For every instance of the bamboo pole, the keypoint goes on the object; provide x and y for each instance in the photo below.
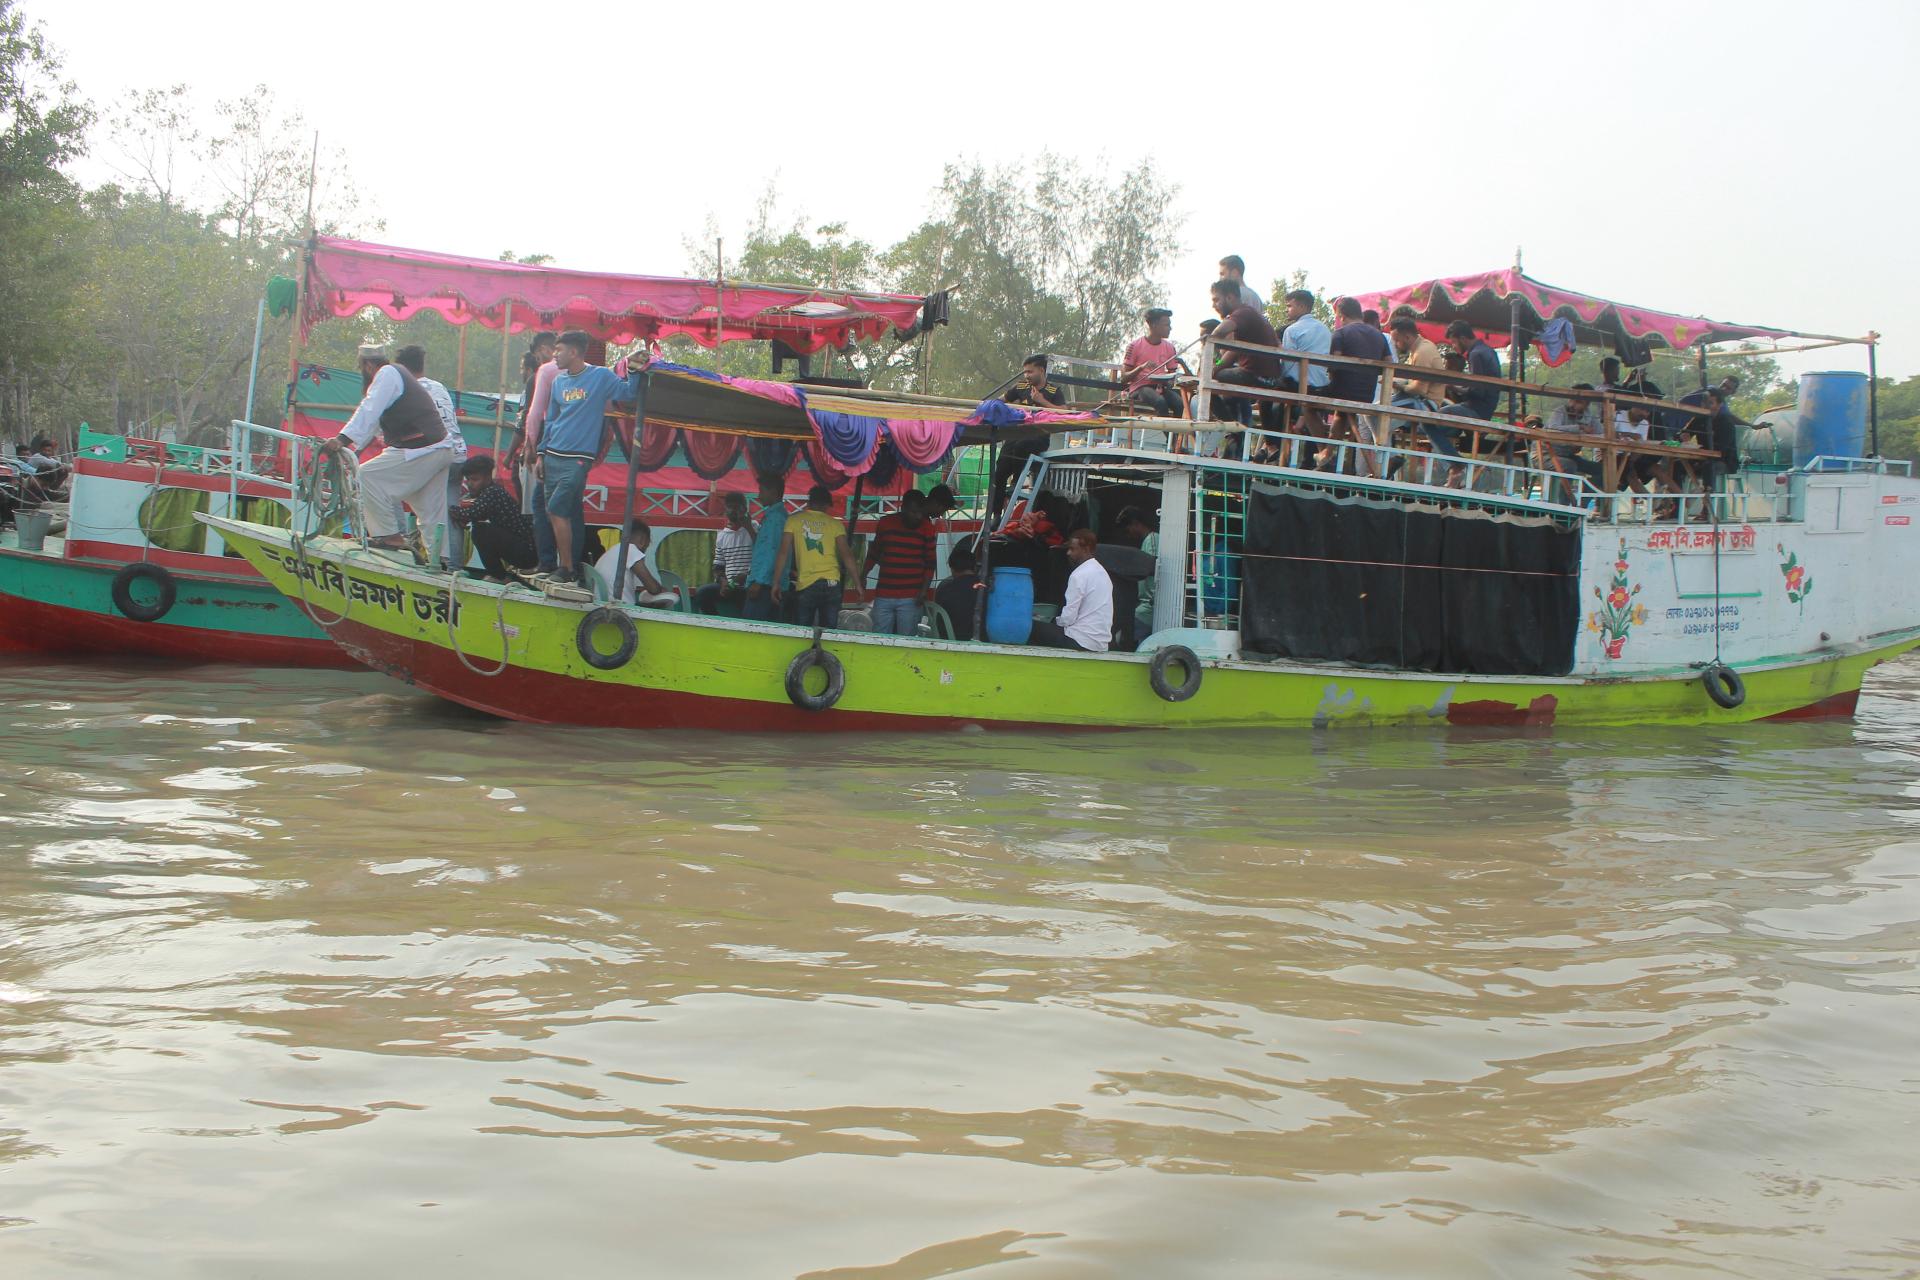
(296, 339)
(460, 365)
(500, 405)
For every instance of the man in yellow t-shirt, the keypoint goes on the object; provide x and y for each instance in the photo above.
(816, 545)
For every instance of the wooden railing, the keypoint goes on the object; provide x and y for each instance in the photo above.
(1614, 450)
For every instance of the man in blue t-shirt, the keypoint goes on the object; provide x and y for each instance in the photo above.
(760, 606)
(571, 441)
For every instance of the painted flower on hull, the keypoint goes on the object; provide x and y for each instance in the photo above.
(1799, 585)
(1618, 613)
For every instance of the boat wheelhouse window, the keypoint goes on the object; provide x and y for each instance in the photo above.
(166, 519)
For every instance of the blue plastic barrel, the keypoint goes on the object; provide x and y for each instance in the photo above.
(1010, 606)
(1832, 420)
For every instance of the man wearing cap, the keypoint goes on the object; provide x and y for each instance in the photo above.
(412, 468)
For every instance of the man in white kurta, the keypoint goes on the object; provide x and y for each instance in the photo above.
(412, 469)
(1086, 620)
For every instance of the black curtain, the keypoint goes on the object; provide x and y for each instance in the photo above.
(1423, 588)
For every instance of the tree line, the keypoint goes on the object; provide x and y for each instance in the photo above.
(131, 303)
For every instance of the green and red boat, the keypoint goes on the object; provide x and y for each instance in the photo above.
(1282, 594)
(135, 573)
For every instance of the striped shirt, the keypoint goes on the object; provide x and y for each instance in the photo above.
(733, 552)
(905, 556)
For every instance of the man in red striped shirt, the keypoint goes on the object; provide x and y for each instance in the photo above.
(903, 547)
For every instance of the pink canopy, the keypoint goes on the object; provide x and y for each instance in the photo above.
(345, 277)
(1486, 302)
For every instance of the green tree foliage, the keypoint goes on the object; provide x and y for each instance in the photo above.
(144, 291)
(43, 125)
(1900, 418)
(1043, 256)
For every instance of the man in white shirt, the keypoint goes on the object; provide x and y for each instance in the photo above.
(414, 360)
(413, 466)
(1086, 621)
(640, 587)
(1234, 268)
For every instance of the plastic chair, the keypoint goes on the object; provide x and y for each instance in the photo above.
(672, 581)
(937, 621)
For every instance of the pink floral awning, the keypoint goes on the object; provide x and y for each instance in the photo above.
(1486, 302)
(346, 277)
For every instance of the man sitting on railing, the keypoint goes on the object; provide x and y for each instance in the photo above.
(1146, 369)
(1579, 415)
(1471, 400)
(1242, 323)
(1417, 352)
(1355, 337)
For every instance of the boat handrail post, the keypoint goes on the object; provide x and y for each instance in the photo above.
(1203, 400)
(1170, 566)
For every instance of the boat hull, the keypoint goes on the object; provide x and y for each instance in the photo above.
(517, 656)
(53, 605)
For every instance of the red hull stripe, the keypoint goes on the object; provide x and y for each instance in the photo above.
(1837, 707)
(173, 478)
(120, 553)
(32, 626)
(541, 698)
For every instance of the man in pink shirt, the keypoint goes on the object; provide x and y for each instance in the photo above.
(1145, 370)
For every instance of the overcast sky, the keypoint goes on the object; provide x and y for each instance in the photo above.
(1748, 161)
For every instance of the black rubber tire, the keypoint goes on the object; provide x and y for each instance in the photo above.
(805, 661)
(123, 592)
(1175, 655)
(593, 621)
(1724, 685)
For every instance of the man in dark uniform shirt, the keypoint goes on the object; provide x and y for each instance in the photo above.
(1033, 389)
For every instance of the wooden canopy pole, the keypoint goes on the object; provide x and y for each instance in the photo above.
(500, 405)
(633, 475)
